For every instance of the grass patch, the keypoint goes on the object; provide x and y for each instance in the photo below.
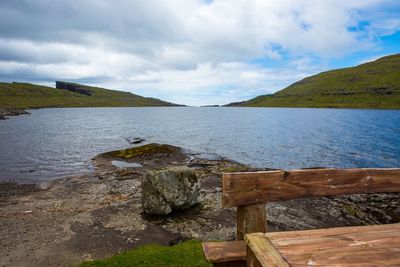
(188, 253)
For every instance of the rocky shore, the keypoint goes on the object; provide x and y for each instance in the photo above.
(5, 113)
(66, 221)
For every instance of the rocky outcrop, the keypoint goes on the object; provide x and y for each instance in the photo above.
(324, 212)
(170, 189)
(99, 214)
(76, 88)
(5, 113)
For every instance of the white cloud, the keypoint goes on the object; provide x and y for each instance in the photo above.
(187, 51)
(211, 83)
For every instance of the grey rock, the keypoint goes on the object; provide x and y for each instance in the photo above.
(170, 189)
(5, 113)
(135, 140)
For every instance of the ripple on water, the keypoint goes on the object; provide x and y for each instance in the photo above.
(58, 142)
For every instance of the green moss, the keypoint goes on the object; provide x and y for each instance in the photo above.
(146, 150)
(235, 168)
(188, 253)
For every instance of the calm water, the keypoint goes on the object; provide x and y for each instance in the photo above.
(58, 142)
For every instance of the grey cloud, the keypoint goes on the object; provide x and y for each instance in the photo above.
(91, 79)
(24, 74)
(28, 53)
(200, 46)
(30, 75)
(69, 20)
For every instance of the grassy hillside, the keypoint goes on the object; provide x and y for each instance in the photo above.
(25, 95)
(370, 85)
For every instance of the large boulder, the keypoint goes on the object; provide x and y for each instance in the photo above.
(170, 189)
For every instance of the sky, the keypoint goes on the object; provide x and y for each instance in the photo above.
(193, 52)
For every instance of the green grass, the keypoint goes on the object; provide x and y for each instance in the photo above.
(149, 149)
(25, 95)
(188, 253)
(370, 85)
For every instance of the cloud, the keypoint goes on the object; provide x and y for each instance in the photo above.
(188, 51)
(214, 83)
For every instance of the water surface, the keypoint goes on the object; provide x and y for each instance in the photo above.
(53, 143)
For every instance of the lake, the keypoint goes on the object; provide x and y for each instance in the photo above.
(59, 142)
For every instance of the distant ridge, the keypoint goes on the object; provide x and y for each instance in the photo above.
(371, 85)
(66, 94)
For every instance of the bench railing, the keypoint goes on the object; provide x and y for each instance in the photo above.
(250, 190)
(244, 188)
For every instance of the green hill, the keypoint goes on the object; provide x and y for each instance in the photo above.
(370, 85)
(25, 95)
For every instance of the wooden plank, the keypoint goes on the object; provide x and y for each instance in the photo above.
(361, 257)
(219, 252)
(348, 230)
(258, 187)
(264, 251)
(377, 245)
(251, 219)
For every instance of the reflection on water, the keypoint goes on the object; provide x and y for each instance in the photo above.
(57, 142)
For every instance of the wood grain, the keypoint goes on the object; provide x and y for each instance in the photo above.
(264, 251)
(240, 189)
(251, 260)
(251, 219)
(377, 245)
(218, 252)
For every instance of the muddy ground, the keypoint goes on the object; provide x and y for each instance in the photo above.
(93, 216)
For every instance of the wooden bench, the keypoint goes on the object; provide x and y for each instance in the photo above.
(249, 191)
(372, 245)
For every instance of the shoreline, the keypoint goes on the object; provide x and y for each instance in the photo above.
(5, 113)
(92, 216)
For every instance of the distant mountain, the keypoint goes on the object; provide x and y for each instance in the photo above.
(370, 85)
(25, 95)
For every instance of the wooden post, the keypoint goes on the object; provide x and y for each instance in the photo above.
(251, 219)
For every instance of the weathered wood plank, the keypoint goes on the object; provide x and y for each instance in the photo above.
(260, 248)
(251, 219)
(377, 245)
(360, 257)
(259, 187)
(348, 230)
(219, 252)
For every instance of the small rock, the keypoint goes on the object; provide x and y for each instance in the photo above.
(135, 140)
(170, 189)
